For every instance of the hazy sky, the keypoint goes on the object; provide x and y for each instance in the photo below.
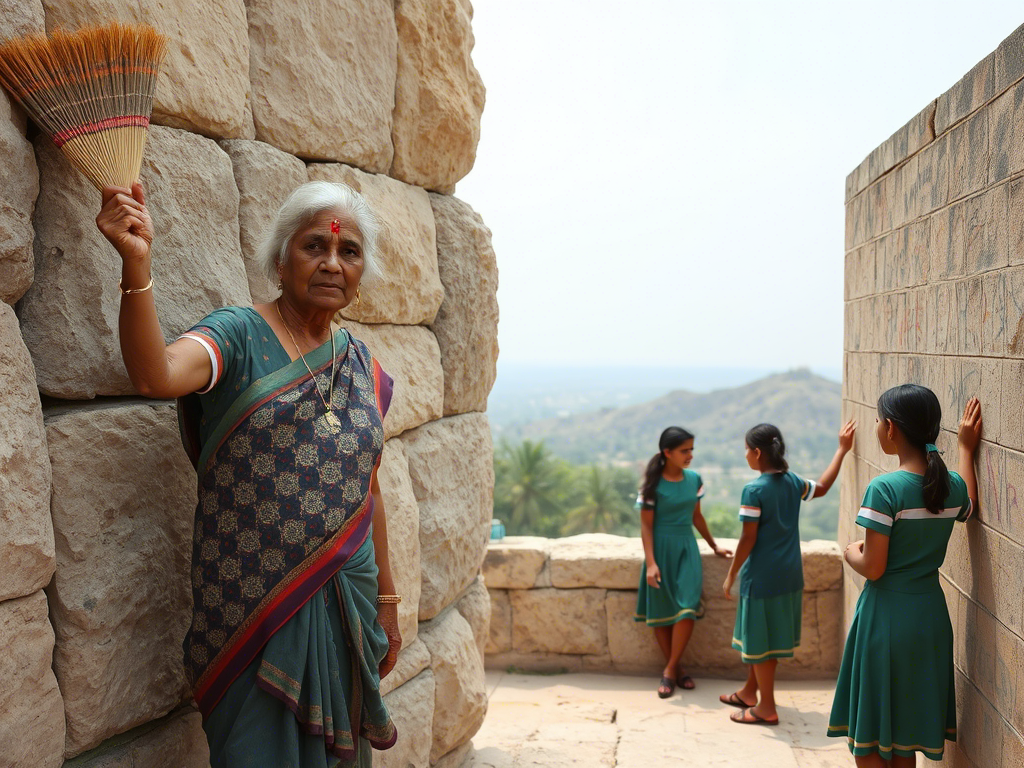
(664, 179)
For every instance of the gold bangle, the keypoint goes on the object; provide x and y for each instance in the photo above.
(389, 599)
(126, 291)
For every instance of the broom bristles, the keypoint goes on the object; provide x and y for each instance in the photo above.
(90, 91)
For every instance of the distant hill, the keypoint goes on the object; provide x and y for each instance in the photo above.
(804, 406)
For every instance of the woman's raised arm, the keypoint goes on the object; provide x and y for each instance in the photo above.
(155, 368)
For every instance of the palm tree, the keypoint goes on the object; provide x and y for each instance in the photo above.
(603, 511)
(527, 479)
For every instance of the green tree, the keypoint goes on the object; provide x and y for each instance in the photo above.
(527, 479)
(603, 509)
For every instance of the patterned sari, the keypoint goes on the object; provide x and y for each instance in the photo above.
(285, 513)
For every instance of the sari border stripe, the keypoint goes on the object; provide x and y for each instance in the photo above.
(384, 388)
(279, 606)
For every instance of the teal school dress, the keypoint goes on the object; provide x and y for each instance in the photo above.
(676, 553)
(895, 692)
(772, 579)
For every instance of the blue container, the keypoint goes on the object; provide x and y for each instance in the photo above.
(497, 530)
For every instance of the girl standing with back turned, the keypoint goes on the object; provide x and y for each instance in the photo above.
(669, 595)
(772, 581)
(895, 693)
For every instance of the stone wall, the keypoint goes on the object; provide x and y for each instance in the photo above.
(569, 604)
(96, 495)
(935, 296)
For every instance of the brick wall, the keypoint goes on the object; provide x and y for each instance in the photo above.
(935, 296)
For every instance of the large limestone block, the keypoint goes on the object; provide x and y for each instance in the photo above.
(409, 354)
(17, 197)
(475, 607)
(516, 562)
(204, 80)
(410, 291)
(178, 740)
(69, 315)
(823, 565)
(631, 643)
(412, 660)
(412, 710)
(460, 757)
(124, 497)
(26, 530)
(31, 710)
(21, 17)
(439, 95)
(466, 325)
(265, 176)
(403, 516)
(559, 621)
(323, 78)
(460, 696)
(500, 632)
(452, 471)
(596, 560)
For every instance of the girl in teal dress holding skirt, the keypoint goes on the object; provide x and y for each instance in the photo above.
(772, 579)
(671, 580)
(895, 694)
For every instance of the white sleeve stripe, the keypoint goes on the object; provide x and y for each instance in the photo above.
(213, 361)
(876, 517)
(700, 491)
(750, 512)
(811, 488)
(970, 509)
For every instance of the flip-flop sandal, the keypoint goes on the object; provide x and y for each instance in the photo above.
(748, 717)
(686, 683)
(666, 682)
(733, 700)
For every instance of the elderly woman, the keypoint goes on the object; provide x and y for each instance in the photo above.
(295, 611)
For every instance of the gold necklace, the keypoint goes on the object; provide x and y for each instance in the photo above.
(334, 423)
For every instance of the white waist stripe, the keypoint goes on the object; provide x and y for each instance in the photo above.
(874, 516)
(213, 360)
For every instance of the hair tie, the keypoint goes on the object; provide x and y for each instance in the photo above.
(929, 447)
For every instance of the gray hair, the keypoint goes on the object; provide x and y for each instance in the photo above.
(300, 208)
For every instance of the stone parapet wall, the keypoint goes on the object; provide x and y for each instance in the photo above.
(935, 296)
(96, 495)
(569, 604)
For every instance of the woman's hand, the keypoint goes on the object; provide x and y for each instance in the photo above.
(970, 426)
(722, 552)
(654, 576)
(124, 220)
(730, 577)
(846, 435)
(387, 617)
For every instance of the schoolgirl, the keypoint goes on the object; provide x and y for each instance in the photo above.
(669, 595)
(895, 693)
(772, 579)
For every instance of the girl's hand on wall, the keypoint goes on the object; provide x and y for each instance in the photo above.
(846, 435)
(723, 552)
(727, 586)
(654, 576)
(970, 426)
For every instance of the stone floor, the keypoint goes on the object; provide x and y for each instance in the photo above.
(594, 720)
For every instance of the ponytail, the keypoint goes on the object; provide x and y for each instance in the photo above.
(768, 439)
(915, 410)
(671, 438)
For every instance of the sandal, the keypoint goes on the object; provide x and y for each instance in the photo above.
(749, 717)
(666, 687)
(685, 682)
(734, 700)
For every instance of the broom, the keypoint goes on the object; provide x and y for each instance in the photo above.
(90, 91)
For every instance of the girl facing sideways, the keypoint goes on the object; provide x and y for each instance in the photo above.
(772, 580)
(669, 596)
(895, 694)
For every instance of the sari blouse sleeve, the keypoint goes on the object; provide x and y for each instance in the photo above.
(223, 337)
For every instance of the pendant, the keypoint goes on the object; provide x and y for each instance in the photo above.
(333, 421)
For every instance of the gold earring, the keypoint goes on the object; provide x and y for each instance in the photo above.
(357, 297)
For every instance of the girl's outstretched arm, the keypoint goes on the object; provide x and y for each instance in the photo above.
(832, 472)
(869, 556)
(702, 527)
(746, 543)
(968, 438)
